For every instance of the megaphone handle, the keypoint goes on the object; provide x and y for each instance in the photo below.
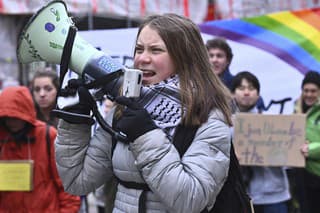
(66, 54)
(120, 136)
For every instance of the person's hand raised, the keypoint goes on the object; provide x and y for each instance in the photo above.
(305, 149)
(135, 120)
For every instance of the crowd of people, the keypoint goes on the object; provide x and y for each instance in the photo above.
(187, 85)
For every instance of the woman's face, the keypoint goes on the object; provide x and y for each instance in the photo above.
(44, 92)
(152, 57)
(310, 94)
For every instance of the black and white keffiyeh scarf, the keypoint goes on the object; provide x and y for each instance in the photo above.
(162, 101)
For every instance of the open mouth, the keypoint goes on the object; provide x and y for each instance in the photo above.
(148, 74)
(310, 101)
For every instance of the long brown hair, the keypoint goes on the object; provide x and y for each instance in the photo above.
(200, 89)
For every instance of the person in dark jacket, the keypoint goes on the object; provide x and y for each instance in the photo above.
(24, 138)
(220, 56)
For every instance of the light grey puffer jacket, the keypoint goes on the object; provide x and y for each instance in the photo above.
(187, 184)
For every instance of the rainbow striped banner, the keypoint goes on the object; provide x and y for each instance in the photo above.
(292, 36)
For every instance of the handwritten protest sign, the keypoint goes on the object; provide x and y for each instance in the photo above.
(269, 140)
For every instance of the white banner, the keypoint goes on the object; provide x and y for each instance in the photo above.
(278, 79)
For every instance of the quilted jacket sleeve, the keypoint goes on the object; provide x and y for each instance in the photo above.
(67, 203)
(82, 169)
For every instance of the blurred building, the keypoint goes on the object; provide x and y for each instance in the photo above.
(228, 9)
(87, 15)
(101, 14)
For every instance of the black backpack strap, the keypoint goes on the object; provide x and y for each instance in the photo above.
(48, 145)
(134, 185)
(114, 140)
(48, 140)
(66, 54)
(183, 137)
(245, 200)
(233, 191)
(131, 185)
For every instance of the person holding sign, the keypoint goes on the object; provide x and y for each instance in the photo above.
(267, 186)
(29, 181)
(308, 179)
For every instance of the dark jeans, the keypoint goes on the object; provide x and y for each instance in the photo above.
(306, 189)
(101, 209)
(298, 188)
(312, 192)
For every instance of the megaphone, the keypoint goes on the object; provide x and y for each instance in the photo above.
(44, 37)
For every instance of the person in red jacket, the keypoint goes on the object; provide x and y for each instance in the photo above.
(23, 137)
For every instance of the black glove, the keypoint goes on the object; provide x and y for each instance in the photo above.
(80, 112)
(85, 102)
(135, 120)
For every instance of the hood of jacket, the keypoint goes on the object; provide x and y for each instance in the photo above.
(298, 106)
(17, 102)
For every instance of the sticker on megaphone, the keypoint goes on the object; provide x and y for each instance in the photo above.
(132, 80)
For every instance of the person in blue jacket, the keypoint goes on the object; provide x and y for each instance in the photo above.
(220, 56)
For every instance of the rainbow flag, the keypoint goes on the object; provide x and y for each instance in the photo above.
(292, 36)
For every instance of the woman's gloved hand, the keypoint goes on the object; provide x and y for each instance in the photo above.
(135, 120)
(75, 104)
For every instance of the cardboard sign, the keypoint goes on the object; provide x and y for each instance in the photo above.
(16, 175)
(269, 140)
